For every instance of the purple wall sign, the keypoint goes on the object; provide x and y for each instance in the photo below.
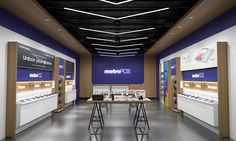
(127, 70)
(25, 74)
(209, 74)
(61, 66)
(173, 67)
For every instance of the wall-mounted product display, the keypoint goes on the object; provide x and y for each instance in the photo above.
(70, 92)
(176, 77)
(205, 86)
(29, 87)
(162, 87)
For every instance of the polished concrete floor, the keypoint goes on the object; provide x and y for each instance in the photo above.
(72, 125)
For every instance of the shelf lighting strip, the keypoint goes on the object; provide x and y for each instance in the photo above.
(113, 33)
(113, 18)
(103, 45)
(117, 55)
(114, 50)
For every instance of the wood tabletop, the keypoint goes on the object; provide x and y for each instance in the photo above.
(145, 100)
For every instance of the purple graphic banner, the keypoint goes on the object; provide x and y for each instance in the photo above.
(24, 74)
(209, 74)
(127, 70)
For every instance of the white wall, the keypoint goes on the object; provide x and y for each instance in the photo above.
(228, 35)
(8, 35)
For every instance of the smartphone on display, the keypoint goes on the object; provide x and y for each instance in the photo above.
(204, 55)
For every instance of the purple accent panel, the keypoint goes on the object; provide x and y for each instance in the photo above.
(25, 74)
(61, 66)
(173, 67)
(10, 21)
(224, 21)
(201, 75)
(127, 70)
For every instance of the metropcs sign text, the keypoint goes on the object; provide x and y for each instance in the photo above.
(198, 75)
(117, 71)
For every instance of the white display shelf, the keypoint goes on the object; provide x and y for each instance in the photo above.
(32, 110)
(70, 96)
(202, 109)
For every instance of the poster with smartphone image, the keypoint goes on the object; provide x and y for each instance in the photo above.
(199, 58)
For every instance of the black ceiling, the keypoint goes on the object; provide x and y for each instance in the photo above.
(161, 21)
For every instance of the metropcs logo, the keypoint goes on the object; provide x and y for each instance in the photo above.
(35, 75)
(119, 71)
(198, 75)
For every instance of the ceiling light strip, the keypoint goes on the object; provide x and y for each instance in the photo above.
(111, 53)
(100, 39)
(134, 31)
(99, 31)
(122, 2)
(144, 13)
(134, 39)
(103, 45)
(123, 53)
(116, 3)
(104, 55)
(113, 50)
(90, 13)
(113, 33)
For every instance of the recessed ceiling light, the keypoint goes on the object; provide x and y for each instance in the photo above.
(116, 3)
(103, 45)
(113, 33)
(47, 20)
(73, 41)
(128, 52)
(101, 39)
(112, 53)
(133, 39)
(59, 29)
(117, 55)
(120, 50)
(171, 33)
(114, 18)
(179, 26)
(191, 17)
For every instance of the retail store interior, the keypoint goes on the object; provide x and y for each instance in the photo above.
(117, 70)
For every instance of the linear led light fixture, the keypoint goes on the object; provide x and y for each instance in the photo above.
(117, 55)
(113, 33)
(143, 13)
(111, 53)
(99, 31)
(133, 39)
(116, 3)
(123, 53)
(113, 18)
(103, 45)
(114, 50)
(100, 39)
(90, 13)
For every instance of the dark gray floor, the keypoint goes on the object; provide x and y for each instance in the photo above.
(71, 125)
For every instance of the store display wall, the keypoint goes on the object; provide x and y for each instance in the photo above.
(221, 29)
(14, 29)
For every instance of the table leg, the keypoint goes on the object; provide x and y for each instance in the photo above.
(136, 112)
(92, 116)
